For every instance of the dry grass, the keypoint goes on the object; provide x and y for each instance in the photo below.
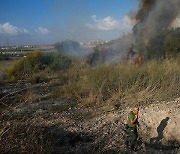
(5, 64)
(153, 80)
(106, 85)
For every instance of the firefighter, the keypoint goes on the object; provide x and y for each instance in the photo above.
(132, 124)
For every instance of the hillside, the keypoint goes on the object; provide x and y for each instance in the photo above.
(44, 124)
(84, 109)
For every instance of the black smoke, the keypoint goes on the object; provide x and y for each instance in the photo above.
(153, 17)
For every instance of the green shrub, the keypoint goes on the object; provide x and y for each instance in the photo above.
(57, 61)
(36, 62)
(26, 66)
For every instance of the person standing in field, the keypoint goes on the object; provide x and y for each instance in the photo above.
(133, 123)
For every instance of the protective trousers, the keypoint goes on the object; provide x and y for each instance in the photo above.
(132, 136)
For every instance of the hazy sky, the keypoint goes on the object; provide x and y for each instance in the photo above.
(49, 21)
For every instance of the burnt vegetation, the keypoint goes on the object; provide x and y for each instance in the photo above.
(39, 89)
(55, 103)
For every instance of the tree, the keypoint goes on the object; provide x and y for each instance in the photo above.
(172, 43)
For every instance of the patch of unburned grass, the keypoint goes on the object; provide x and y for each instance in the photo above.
(5, 64)
(152, 80)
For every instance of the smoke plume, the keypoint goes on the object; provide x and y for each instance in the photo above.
(152, 17)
